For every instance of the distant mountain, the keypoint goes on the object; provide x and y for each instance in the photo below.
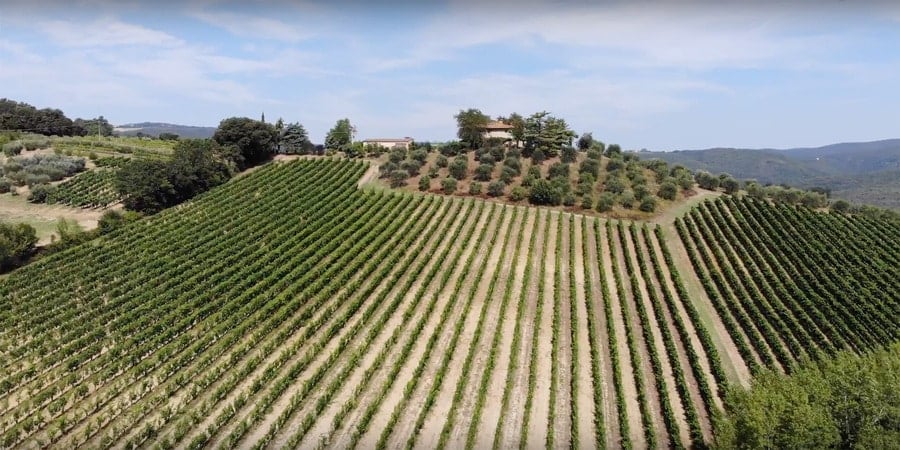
(862, 172)
(155, 128)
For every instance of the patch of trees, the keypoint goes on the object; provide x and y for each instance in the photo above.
(846, 402)
(245, 142)
(37, 171)
(16, 243)
(24, 117)
(197, 165)
(98, 126)
(340, 137)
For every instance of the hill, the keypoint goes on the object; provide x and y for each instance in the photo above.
(288, 308)
(859, 172)
(155, 128)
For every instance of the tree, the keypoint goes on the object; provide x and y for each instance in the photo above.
(459, 168)
(518, 128)
(475, 189)
(626, 199)
(496, 188)
(470, 127)
(538, 157)
(398, 178)
(95, 126)
(648, 204)
(250, 141)
(544, 192)
(448, 185)
(113, 219)
(730, 185)
(424, 183)
(585, 142)
(16, 242)
(707, 180)
(483, 172)
(558, 170)
(168, 137)
(587, 202)
(294, 140)
(145, 186)
(613, 149)
(517, 194)
(667, 190)
(546, 133)
(841, 206)
(568, 154)
(340, 136)
(606, 202)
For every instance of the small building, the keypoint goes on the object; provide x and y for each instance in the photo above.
(390, 143)
(497, 130)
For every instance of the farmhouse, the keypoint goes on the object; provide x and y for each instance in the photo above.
(498, 130)
(389, 143)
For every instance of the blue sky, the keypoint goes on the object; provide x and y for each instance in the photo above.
(656, 75)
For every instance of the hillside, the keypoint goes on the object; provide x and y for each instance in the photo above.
(155, 128)
(862, 171)
(288, 308)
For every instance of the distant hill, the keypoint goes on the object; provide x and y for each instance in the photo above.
(862, 172)
(155, 128)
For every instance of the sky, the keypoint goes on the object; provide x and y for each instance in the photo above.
(656, 75)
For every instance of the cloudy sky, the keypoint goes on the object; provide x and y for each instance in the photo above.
(656, 75)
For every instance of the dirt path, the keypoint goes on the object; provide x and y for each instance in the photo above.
(466, 410)
(405, 426)
(734, 365)
(44, 217)
(600, 266)
(481, 303)
(370, 175)
(693, 341)
(540, 410)
(582, 372)
(635, 424)
(646, 367)
(394, 395)
(322, 427)
(668, 217)
(511, 433)
(563, 425)
(667, 364)
(491, 413)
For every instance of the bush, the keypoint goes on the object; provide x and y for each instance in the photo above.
(424, 183)
(614, 184)
(475, 188)
(419, 155)
(396, 155)
(411, 166)
(514, 164)
(398, 178)
(496, 188)
(5, 185)
(13, 148)
(112, 219)
(36, 144)
(841, 206)
(41, 193)
(590, 167)
(648, 204)
(518, 194)
(730, 185)
(483, 172)
(626, 199)
(587, 202)
(386, 169)
(441, 161)
(558, 170)
(448, 185)
(707, 181)
(568, 200)
(667, 190)
(538, 157)
(488, 159)
(606, 202)
(614, 164)
(544, 193)
(459, 168)
(568, 154)
(641, 192)
(34, 179)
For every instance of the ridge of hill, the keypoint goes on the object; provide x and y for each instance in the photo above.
(861, 172)
(155, 128)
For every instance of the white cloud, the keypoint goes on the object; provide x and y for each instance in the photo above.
(105, 32)
(255, 26)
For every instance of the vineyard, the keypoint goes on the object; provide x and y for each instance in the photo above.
(94, 188)
(289, 309)
(791, 284)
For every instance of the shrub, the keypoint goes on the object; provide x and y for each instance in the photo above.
(606, 202)
(518, 194)
(496, 188)
(41, 193)
(398, 178)
(13, 148)
(558, 170)
(448, 185)
(544, 193)
(5, 185)
(386, 169)
(411, 166)
(641, 192)
(587, 202)
(590, 167)
(614, 164)
(538, 157)
(484, 172)
(488, 159)
(441, 161)
(475, 188)
(626, 199)
(507, 175)
(419, 155)
(730, 185)
(424, 183)
(568, 154)
(35, 179)
(667, 190)
(568, 200)
(648, 204)
(514, 164)
(615, 185)
(396, 155)
(459, 168)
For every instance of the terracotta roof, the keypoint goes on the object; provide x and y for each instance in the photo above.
(497, 125)
(389, 140)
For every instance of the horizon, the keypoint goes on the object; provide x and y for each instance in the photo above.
(691, 75)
